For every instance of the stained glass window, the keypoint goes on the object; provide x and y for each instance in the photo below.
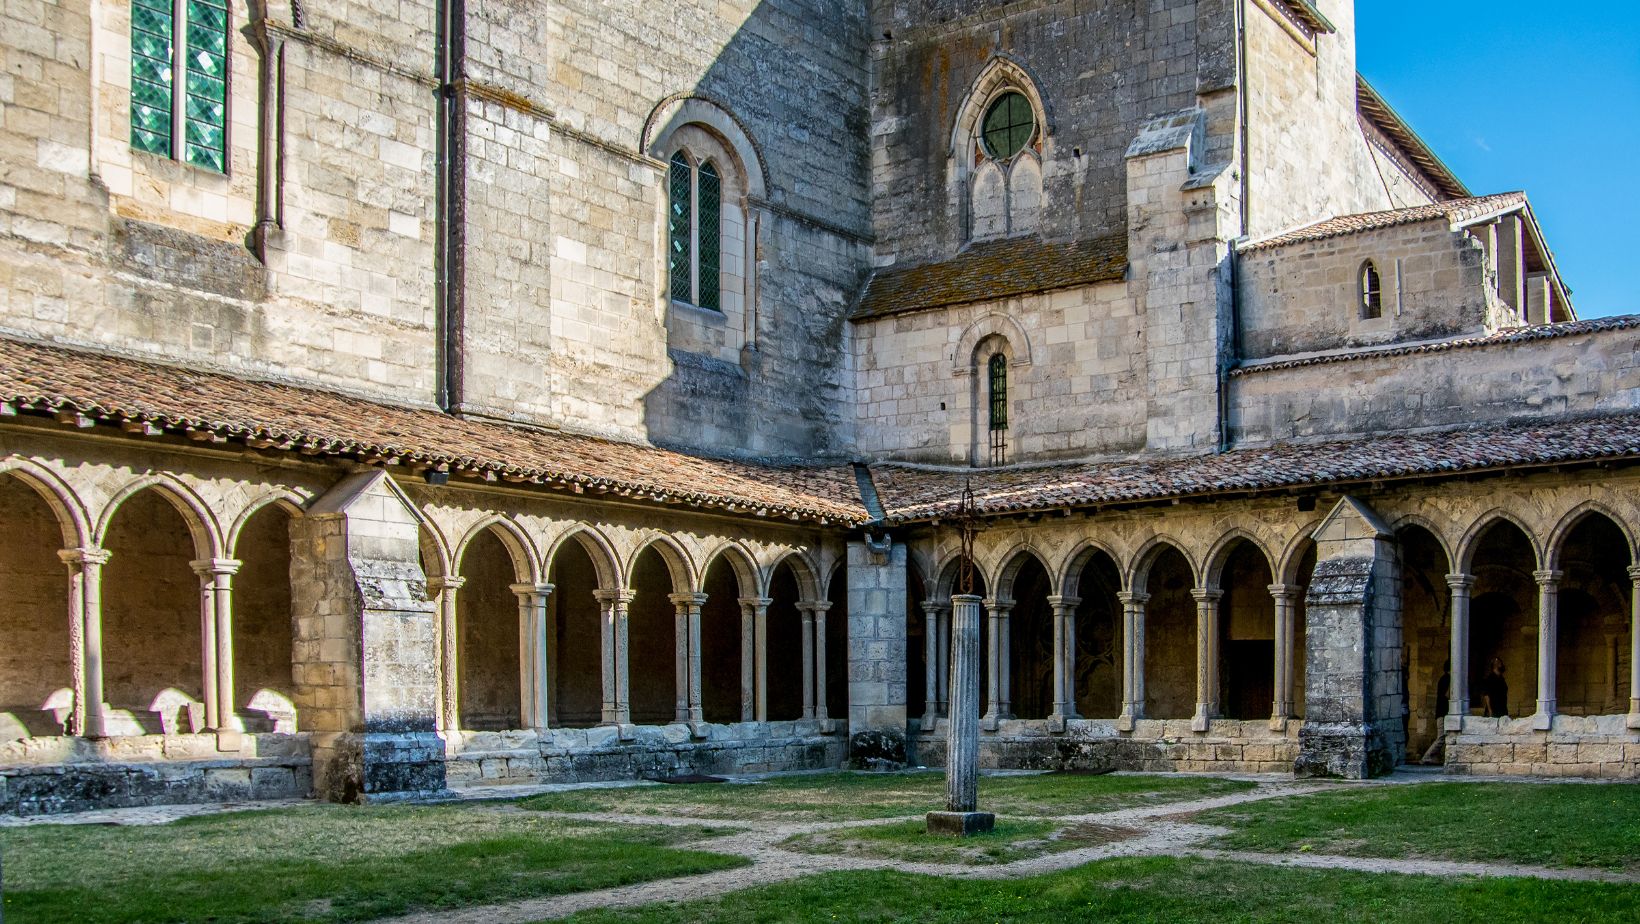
(179, 80)
(710, 195)
(1009, 126)
(680, 232)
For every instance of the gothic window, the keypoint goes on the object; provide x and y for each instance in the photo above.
(694, 232)
(1372, 295)
(1009, 126)
(997, 370)
(179, 80)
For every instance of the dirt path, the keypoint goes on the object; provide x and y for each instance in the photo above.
(1164, 830)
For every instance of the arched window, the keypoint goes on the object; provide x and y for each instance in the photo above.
(1372, 292)
(1000, 144)
(179, 74)
(1009, 125)
(694, 232)
(998, 416)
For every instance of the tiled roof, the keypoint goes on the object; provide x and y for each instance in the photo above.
(145, 398)
(1512, 335)
(910, 493)
(1454, 210)
(1371, 106)
(1305, 12)
(994, 270)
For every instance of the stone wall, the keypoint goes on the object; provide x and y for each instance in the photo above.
(1154, 746)
(1381, 392)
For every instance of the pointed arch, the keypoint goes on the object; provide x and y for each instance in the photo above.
(513, 538)
(1008, 565)
(808, 575)
(1464, 559)
(1139, 570)
(597, 548)
(1429, 526)
(71, 514)
(290, 501)
(1003, 73)
(679, 566)
(1573, 518)
(746, 572)
(1071, 575)
(1220, 553)
(680, 109)
(201, 522)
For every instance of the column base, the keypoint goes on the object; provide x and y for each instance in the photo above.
(1201, 721)
(1278, 723)
(1126, 722)
(989, 722)
(1059, 722)
(1342, 750)
(378, 766)
(698, 729)
(960, 824)
(1453, 722)
(929, 723)
(1543, 720)
(1634, 720)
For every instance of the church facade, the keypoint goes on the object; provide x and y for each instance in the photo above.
(401, 397)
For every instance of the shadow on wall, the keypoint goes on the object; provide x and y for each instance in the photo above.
(766, 218)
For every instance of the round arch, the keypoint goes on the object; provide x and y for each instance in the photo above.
(683, 109)
(964, 357)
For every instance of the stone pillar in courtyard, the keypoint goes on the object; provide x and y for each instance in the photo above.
(876, 651)
(365, 648)
(961, 815)
(1352, 714)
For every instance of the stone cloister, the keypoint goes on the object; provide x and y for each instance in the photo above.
(1181, 640)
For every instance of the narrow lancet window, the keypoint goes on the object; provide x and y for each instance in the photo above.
(998, 369)
(179, 80)
(680, 229)
(1372, 292)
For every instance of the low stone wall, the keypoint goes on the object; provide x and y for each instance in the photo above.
(43, 776)
(1154, 745)
(634, 752)
(1600, 747)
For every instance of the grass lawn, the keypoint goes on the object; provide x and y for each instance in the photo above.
(1156, 889)
(1541, 824)
(841, 796)
(1012, 839)
(327, 863)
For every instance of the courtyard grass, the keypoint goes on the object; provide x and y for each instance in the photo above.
(1539, 824)
(844, 796)
(1012, 839)
(1164, 890)
(328, 863)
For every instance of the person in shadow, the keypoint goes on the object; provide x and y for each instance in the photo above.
(1495, 691)
(1436, 752)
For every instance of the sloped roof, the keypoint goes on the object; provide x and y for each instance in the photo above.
(1456, 211)
(993, 270)
(912, 493)
(84, 388)
(1372, 107)
(1508, 336)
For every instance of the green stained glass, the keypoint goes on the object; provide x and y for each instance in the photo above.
(152, 91)
(206, 112)
(679, 213)
(710, 196)
(1009, 126)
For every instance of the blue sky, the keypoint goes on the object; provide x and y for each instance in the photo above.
(1540, 96)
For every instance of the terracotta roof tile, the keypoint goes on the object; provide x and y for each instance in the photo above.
(1453, 210)
(994, 270)
(1512, 335)
(267, 415)
(911, 493)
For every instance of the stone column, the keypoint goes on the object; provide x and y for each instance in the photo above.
(996, 673)
(449, 638)
(1548, 646)
(962, 731)
(1286, 601)
(686, 631)
(820, 609)
(1133, 659)
(532, 654)
(1457, 704)
(931, 664)
(85, 638)
(943, 684)
(1207, 656)
(806, 612)
(756, 611)
(1634, 649)
(617, 700)
(748, 662)
(216, 608)
(207, 639)
(1064, 659)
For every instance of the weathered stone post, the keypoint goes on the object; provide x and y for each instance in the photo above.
(1634, 649)
(962, 730)
(1207, 656)
(1458, 692)
(1548, 646)
(1286, 601)
(1064, 660)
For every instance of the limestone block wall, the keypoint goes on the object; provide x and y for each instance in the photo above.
(1306, 297)
(1153, 747)
(1102, 70)
(1308, 157)
(1371, 392)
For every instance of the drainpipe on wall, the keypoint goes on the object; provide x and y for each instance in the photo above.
(450, 269)
(1233, 344)
(270, 162)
